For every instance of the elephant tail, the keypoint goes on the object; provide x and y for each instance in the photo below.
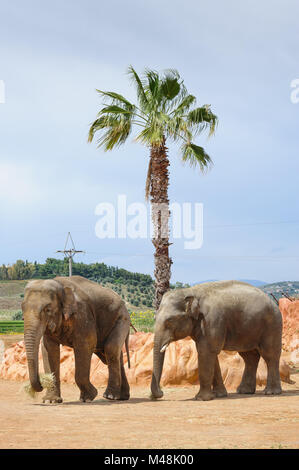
(127, 350)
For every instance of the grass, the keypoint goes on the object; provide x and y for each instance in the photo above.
(143, 321)
(9, 327)
(12, 288)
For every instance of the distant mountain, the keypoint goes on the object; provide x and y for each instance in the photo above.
(290, 288)
(254, 282)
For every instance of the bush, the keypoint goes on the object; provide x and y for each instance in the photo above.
(17, 316)
(143, 321)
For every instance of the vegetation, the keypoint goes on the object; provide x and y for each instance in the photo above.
(135, 288)
(56, 267)
(143, 321)
(164, 111)
(290, 288)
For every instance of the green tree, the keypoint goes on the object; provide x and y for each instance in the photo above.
(164, 111)
(3, 272)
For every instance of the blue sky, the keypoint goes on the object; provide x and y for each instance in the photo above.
(240, 57)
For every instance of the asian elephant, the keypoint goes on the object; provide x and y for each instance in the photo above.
(221, 315)
(82, 314)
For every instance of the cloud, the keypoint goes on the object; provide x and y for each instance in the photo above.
(17, 185)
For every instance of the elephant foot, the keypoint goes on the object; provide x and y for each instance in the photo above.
(246, 389)
(111, 394)
(52, 398)
(124, 395)
(273, 390)
(86, 396)
(157, 394)
(220, 392)
(205, 395)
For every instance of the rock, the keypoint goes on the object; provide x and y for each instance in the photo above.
(2, 349)
(290, 336)
(180, 365)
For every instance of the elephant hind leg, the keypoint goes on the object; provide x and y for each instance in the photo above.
(248, 382)
(83, 353)
(125, 388)
(270, 350)
(218, 385)
(273, 386)
(118, 387)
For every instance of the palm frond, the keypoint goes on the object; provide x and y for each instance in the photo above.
(113, 109)
(114, 130)
(170, 86)
(97, 125)
(195, 155)
(152, 89)
(184, 105)
(139, 84)
(116, 99)
(202, 118)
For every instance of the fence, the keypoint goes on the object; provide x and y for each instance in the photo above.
(11, 327)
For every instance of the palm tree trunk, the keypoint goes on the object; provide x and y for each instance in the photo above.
(159, 181)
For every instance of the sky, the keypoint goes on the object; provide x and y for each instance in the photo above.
(239, 57)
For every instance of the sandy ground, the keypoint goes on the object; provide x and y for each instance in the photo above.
(175, 422)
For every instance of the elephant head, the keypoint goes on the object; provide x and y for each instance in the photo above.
(177, 318)
(46, 303)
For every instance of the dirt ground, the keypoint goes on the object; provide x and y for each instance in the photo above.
(175, 422)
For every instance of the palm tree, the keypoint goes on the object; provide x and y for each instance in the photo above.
(164, 110)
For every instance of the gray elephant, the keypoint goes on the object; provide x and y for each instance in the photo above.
(222, 315)
(79, 313)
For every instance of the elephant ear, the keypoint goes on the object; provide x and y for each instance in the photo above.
(69, 303)
(192, 307)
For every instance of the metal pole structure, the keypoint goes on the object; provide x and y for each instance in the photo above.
(70, 253)
(70, 266)
(274, 298)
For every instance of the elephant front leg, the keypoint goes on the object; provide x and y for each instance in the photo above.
(206, 368)
(83, 355)
(51, 360)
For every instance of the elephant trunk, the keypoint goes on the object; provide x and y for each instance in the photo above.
(157, 368)
(32, 337)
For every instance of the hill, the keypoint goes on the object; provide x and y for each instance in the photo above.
(290, 288)
(136, 289)
(11, 296)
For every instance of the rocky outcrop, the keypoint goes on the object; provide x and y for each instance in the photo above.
(290, 338)
(180, 366)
